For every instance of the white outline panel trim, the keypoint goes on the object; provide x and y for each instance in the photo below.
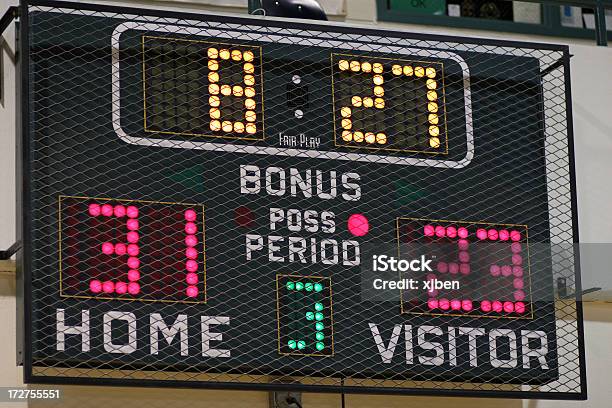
(276, 151)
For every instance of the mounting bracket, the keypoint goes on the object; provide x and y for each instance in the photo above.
(11, 14)
(12, 250)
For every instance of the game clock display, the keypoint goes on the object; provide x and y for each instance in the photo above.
(204, 197)
(231, 95)
(378, 103)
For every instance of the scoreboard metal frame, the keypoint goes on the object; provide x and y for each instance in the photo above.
(24, 157)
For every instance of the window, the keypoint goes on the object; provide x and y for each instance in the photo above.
(495, 15)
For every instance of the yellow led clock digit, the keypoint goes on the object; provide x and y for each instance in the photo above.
(245, 91)
(388, 104)
(200, 88)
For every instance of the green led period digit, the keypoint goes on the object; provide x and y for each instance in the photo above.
(316, 315)
(304, 314)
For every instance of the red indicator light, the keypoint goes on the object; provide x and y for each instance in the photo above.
(191, 265)
(191, 241)
(517, 271)
(358, 225)
(132, 237)
(132, 224)
(506, 270)
(243, 216)
(190, 228)
(133, 250)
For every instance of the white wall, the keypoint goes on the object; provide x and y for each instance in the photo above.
(592, 91)
(7, 135)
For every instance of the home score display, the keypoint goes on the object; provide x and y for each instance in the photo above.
(206, 199)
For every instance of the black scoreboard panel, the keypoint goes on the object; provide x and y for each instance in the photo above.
(203, 196)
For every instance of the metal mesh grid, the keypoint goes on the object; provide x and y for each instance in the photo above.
(91, 148)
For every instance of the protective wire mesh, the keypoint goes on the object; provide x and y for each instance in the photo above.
(204, 192)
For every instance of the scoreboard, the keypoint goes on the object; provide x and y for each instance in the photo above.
(210, 195)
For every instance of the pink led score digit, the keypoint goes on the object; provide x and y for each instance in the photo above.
(462, 267)
(515, 269)
(191, 253)
(130, 248)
